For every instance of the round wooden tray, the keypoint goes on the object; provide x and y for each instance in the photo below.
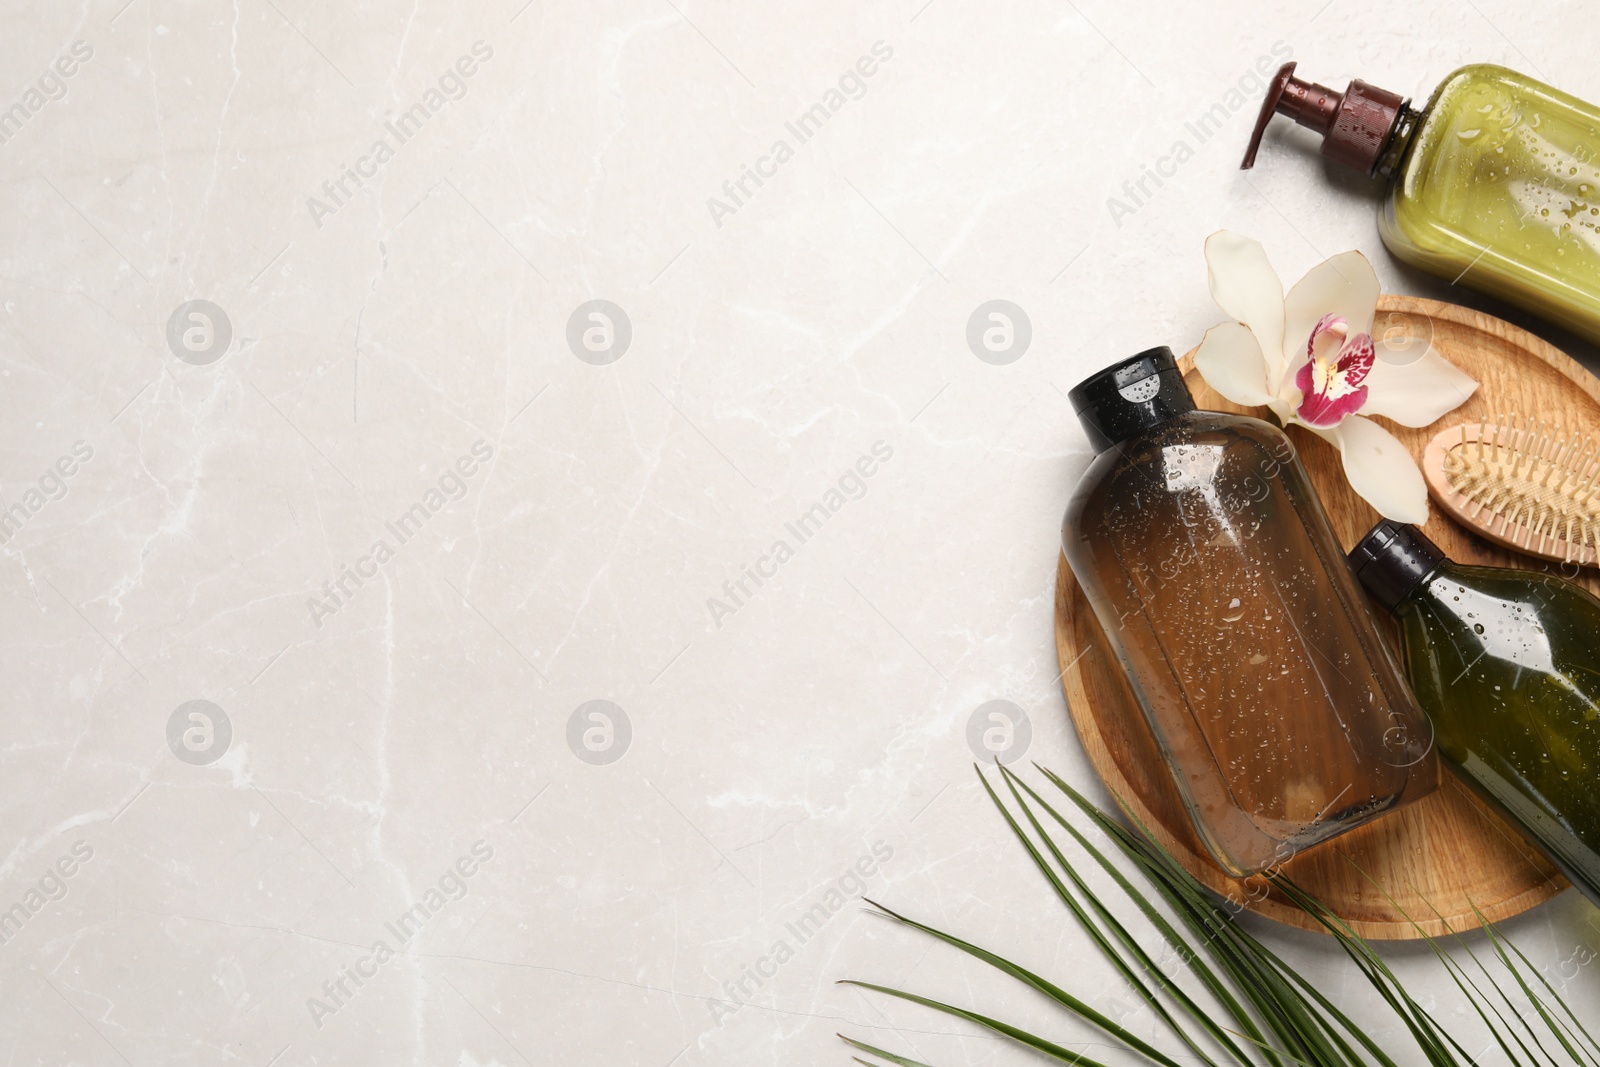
(1442, 855)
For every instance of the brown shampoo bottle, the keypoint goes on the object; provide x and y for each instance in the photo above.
(1224, 594)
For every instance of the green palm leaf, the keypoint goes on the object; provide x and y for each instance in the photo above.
(1266, 1015)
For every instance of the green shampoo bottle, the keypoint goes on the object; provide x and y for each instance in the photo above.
(1505, 663)
(1494, 183)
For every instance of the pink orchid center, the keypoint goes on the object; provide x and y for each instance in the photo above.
(1330, 380)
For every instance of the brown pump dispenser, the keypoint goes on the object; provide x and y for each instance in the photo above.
(1355, 125)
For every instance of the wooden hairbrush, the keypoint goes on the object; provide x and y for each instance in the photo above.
(1523, 483)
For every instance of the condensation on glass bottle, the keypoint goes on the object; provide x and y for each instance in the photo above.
(1224, 595)
(1494, 183)
(1505, 663)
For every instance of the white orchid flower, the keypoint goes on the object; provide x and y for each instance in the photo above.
(1310, 357)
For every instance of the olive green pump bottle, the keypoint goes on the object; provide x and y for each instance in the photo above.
(1495, 182)
(1505, 663)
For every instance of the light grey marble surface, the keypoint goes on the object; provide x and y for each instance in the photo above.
(396, 508)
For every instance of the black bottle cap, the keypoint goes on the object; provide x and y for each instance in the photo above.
(1130, 397)
(1392, 560)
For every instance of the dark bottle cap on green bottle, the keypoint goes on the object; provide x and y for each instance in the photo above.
(1130, 397)
(1355, 125)
(1392, 560)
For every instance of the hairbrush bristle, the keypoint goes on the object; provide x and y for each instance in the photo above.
(1528, 484)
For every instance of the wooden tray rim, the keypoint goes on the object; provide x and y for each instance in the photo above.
(1202, 866)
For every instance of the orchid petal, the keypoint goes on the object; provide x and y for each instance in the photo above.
(1332, 388)
(1418, 392)
(1325, 409)
(1229, 359)
(1356, 358)
(1331, 326)
(1402, 349)
(1381, 470)
(1245, 286)
(1345, 286)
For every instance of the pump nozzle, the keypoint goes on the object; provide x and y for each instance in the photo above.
(1355, 124)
